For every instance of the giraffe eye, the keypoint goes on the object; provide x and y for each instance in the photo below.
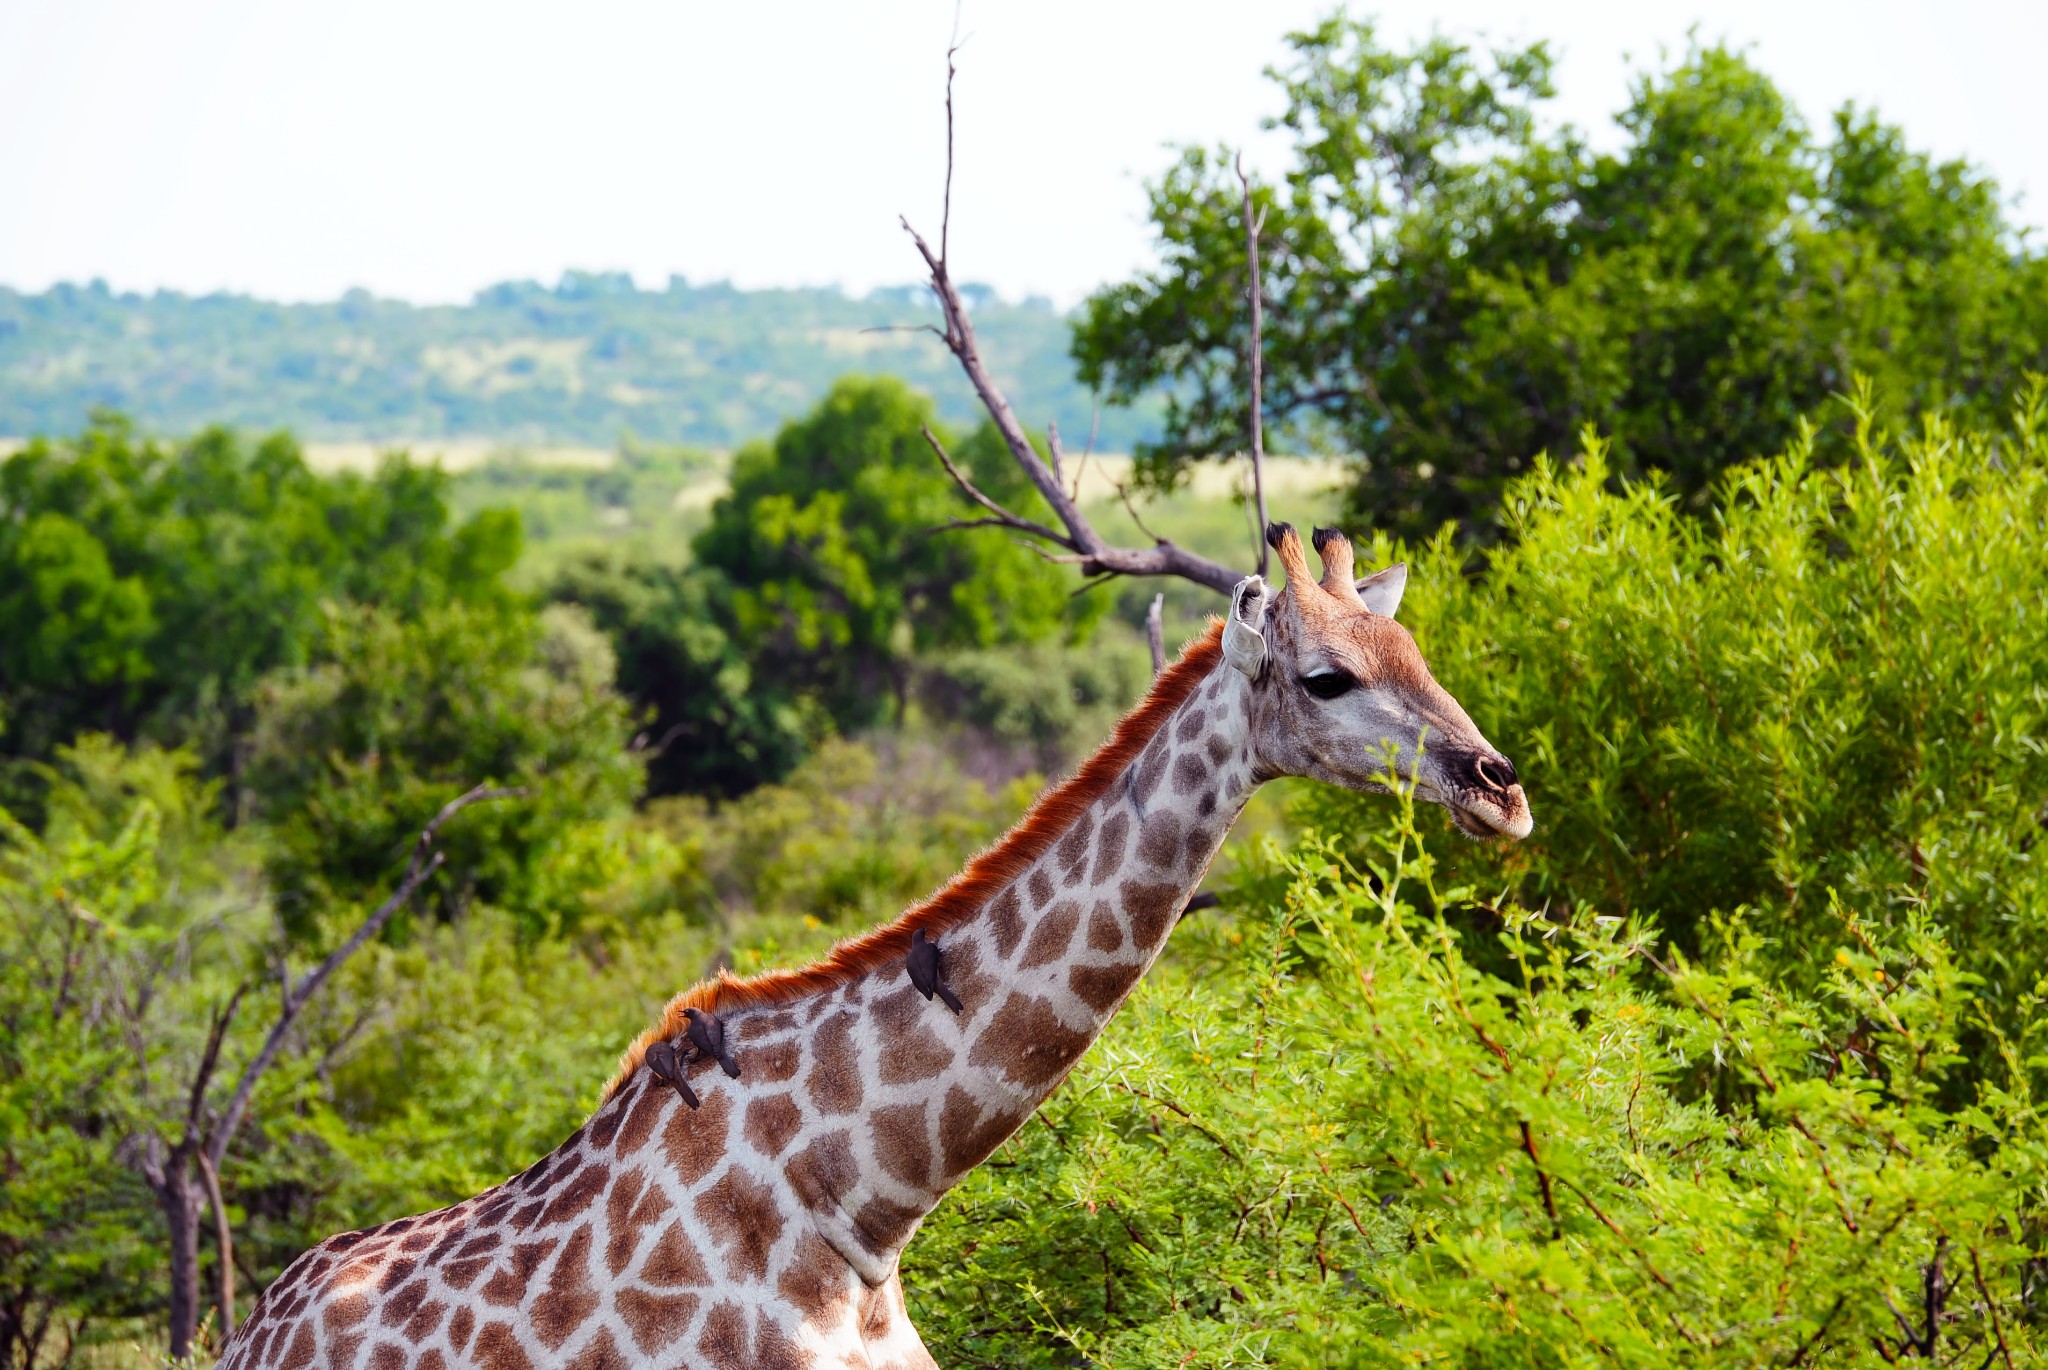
(1329, 684)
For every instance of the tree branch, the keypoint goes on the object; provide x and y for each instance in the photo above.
(1255, 290)
(1097, 557)
(224, 1239)
(1003, 518)
(417, 868)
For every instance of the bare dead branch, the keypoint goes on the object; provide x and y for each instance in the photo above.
(224, 1240)
(1255, 290)
(1155, 631)
(1002, 517)
(417, 868)
(1097, 557)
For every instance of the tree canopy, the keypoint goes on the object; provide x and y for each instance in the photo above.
(1454, 286)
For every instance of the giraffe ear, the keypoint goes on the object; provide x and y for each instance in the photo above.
(1244, 638)
(1381, 590)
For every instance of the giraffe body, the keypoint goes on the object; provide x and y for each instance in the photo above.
(763, 1227)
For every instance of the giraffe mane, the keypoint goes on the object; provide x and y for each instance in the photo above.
(983, 877)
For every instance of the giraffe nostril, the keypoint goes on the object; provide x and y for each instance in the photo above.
(1494, 772)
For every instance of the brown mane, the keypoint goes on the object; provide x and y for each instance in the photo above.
(966, 893)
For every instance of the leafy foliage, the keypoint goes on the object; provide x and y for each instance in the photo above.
(1324, 1136)
(1452, 289)
(145, 589)
(837, 577)
(393, 719)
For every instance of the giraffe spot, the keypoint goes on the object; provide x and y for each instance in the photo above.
(400, 1305)
(963, 972)
(425, 1322)
(1151, 770)
(417, 1242)
(1193, 718)
(1006, 921)
(302, 1348)
(654, 1320)
(910, 1050)
(1054, 931)
(604, 1128)
(773, 1062)
(625, 1237)
(674, 1260)
(462, 1274)
(569, 1299)
(346, 1240)
(1028, 1042)
(459, 1328)
(1104, 932)
(1206, 805)
(772, 1122)
(527, 1215)
(835, 1066)
(903, 1143)
(817, 1281)
(643, 1115)
(1219, 748)
(386, 1356)
(1201, 847)
(724, 1340)
(432, 1360)
(876, 1312)
(601, 1354)
(823, 1171)
(744, 1221)
(1109, 845)
(1159, 840)
(883, 1226)
(508, 1285)
(1150, 908)
(342, 1350)
(773, 1350)
(1100, 987)
(343, 1314)
(1040, 885)
(578, 1194)
(618, 1219)
(1073, 848)
(694, 1139)
(1190, 773)
(497, 1346)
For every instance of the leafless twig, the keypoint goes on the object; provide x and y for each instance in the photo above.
(1257, 358)
(1095, 556)
(417, 868)
(1155, 631)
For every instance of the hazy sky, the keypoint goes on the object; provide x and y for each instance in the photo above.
(425, 148)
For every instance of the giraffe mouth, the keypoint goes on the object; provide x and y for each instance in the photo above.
(1489, 814)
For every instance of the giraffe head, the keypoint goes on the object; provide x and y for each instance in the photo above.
(1337, 684)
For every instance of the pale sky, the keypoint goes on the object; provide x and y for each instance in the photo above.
(425, 148)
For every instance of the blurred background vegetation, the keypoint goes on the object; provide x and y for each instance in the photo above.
(1719, 460)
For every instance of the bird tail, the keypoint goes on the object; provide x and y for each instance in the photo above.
(952, 999)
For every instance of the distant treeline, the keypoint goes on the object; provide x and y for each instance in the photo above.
(588, 360)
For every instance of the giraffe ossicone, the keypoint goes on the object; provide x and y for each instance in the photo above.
(757, 1220)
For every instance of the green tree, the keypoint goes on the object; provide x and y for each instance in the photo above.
(145, 589)
(394, 717)
(711, 723)
(1451, 289)
(834, 575)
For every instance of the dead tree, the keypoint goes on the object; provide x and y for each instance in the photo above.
(185, 1173)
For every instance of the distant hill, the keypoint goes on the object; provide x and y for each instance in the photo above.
(585, 361)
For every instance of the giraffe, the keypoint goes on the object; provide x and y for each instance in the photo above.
(742, 1195)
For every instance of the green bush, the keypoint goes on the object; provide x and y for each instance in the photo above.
(1321, 1135)
(1734, 1056)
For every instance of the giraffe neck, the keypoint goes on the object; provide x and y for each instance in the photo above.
(906, 1097)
